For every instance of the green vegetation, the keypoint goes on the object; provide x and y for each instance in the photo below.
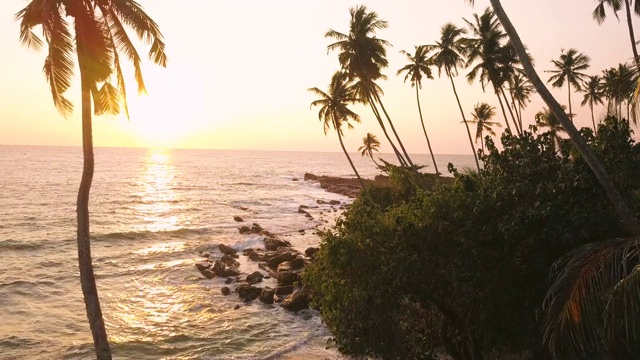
(464, 268)
(98, 37)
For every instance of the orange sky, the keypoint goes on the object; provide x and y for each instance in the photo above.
(238, 74)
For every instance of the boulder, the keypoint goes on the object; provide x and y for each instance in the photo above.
(229, 280)
(203, 265)
(273, 244)
(248, 292)
(227, 250)
(220, 269)
(225, 291)
(279, 259)
(334, 202)
(208, 273)
(284, 290)
(238, 219)
(302, 211)
(311, 251)
(256, 228)
(254, 277)
(285, 276)
(244, 229)
(297, 263)
(253, 254)
(267, 294)
(229, 261)
(303, 207)
(297, 301)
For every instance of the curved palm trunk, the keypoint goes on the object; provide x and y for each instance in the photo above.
(337, 127)
(570, 110)
(513, 117)
(87, 277)
(393, 128)
(464, 119)
(632, 36)
(433, 158)
(376, 113)
(593, 119)
(628, 221)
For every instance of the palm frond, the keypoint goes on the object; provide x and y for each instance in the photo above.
(58, 66)
(29, 17)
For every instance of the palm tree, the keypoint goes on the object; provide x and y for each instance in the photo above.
(448, 56)
(363, 56)
(98, 38)
(619, 86)
(334, 111)
(568, 69)
(495, 63)
(419, 66)
(370, 144)
(627, 218)
(600, 14)
(593, 95)
(521, 89)
(482, 114)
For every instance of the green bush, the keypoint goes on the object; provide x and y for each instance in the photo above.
(463, 268)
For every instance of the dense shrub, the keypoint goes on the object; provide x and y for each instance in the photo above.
(415, 267)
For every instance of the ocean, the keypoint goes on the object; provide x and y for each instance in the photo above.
(153, 212)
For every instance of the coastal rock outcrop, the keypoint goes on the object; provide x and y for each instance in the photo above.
(297, 301)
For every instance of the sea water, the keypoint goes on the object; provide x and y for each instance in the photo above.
(153, 212)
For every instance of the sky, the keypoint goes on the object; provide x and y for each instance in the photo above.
(239, 71)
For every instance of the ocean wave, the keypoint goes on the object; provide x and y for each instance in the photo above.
(11, 244)
(147, 234)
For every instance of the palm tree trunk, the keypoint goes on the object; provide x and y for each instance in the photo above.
(504, 113)
(569, 91)
(376, 113)
(87, 277)
(464, 119)
(337, 127)
(593, 119)
(406, 155)
(513, 118)
(631, 34)
(628, 221)
(433, 158)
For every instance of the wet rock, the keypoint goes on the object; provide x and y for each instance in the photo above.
(294, 179)
(301, 231)
(285, 276)
(229, 280)
(256, 228)
(222, 270)
(307, 215)
(267, 233)
(302, 211)
(267, 294)
(286, 256)
(321, 202)
(229, 261)
(253, 254)
(208, 273)
(255, 277)
(244, 229)
(273, 244)
(311, 251)
(303, 207)
(227, 250)
(248, 292)
(203, 265)
(284, 290)
(297, 263)
(238, 219)
(225, 291)
(334, 202)
(299, 300)
(237, 307)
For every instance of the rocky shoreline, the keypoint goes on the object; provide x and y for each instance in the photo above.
(349, 187)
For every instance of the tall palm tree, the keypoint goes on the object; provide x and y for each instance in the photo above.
(419, 66)
(521, 89)
(370, 144)
(569, 69)
(363, 56)
(448, 57)
(97, 35)
(482, 115)
(619, 84)
(600, 14)
(627, 218)
(334, 111)
(593, 95)
(494, 61)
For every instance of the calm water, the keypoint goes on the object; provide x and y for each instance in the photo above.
(152, 213)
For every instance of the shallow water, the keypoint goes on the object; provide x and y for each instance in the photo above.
(152, 213)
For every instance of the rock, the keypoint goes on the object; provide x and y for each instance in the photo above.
(299, 300)
(334, 202)
(301, 231)
(321, 202)
(297, 263)
(273, 244)
(253, 254)
(294, 179)
(284, 290)
(227, 250)
(286, 256)
(244, 229)
(256, 228)
(238, 219)
(203, 265)
(302, 211)
(267, 294)
(308, 216)
(311, 251)
(208, 273)
(303, 207)
(237, 307)
(225, 291)
(285, 276)
(267, 233)
(248, 292)
(220, 269)
(229, 280)
(254, 277)
(229, 261)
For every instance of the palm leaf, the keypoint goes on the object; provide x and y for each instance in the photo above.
(58, 66)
